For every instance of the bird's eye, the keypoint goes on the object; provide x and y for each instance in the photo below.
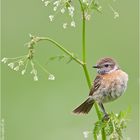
(106, 65)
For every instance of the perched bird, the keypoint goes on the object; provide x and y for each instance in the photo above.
(109, 84)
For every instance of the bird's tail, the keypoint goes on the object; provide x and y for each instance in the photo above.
(85, 107)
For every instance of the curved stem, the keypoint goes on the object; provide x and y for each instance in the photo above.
(37, 39)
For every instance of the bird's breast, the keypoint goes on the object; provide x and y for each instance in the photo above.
(112, 86)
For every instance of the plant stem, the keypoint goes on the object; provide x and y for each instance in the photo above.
(87, 76)
(85, 67)
(83, 37)
(60, 47)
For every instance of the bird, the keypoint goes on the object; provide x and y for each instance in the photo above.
(109, 84)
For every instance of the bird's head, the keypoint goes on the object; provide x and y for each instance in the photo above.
(106, 65)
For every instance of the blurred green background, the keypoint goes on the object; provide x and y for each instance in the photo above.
(42, 110)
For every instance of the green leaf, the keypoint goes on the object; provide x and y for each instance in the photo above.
(70, 59)
(98, 127)
(109, 128)
(58, 57)
(61, 57)
(53, 58)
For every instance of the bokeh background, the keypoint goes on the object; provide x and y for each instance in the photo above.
(42, 110)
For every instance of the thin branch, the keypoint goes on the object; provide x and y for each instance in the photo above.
(37, 39)
(81, 5)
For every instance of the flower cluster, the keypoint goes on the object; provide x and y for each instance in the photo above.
(66, 7)
(21, 63)
(63, 7)
(89, 6)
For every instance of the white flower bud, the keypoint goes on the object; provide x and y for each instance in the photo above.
(4, 60)
(46, 3)
(56, 3)
(55, 8)
(116, 15)
(11, 65)
(87, 16)
(51, 17)
(34, 71)
(16, 68)
(51, 77)
(21, 62)
(62, 10)
(73, 24)
(35, 78)
(86, 133)
(100, 8)
(65, 25)
(23, 72)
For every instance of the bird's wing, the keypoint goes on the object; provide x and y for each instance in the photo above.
(96, 85)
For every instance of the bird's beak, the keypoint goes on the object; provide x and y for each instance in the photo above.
(96, 66)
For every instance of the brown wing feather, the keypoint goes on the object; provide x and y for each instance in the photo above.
(96, 85)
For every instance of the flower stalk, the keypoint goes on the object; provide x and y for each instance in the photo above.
(85, 66)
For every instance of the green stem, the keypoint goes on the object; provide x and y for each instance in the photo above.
(103, 134)
(62, 48)
(81, 5)
(84, 37)
(85, 68)
(87, 76)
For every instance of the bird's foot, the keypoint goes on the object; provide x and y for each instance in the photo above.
(106, 117)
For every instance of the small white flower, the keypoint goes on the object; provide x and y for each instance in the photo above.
(62, 10)
(16, 68)
(86, 134)
(100, 8)
(116, 15)
(46, 3)
(56, 3)
(35, 78)
(51, 77)
(71, 11)
(23, 72)
(65, 25)
(11, 65)
(71, 8)
(42, 0)
(55, 8)
(51, 17)
(73, 24)
(21, 62)
(71, 14)
(87, 16)
(4, 60)
(34, 71)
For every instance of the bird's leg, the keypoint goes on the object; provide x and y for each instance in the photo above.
(106, 116)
